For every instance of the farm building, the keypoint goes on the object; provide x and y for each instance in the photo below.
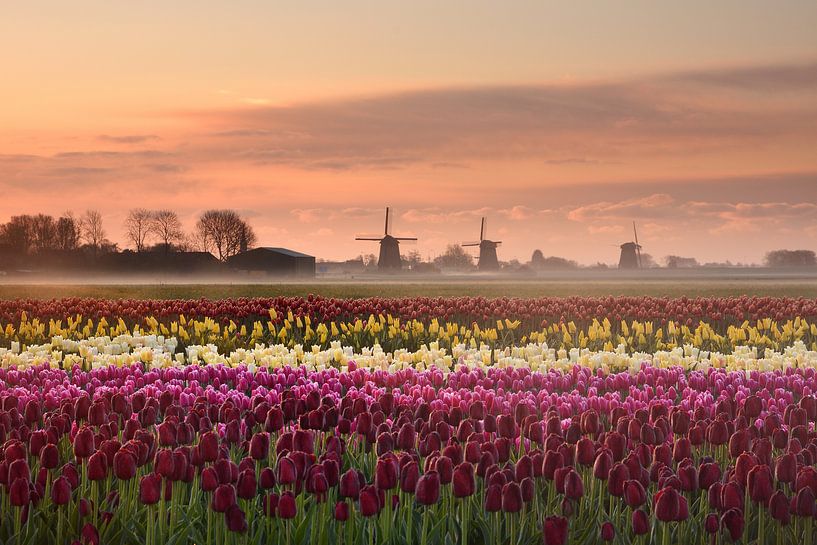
(275, 261)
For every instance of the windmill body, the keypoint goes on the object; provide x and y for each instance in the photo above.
(389, 258)
(630, 257)
(488, 260)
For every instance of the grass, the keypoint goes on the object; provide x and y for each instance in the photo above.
(537, 288)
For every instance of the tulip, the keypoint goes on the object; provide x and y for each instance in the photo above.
(84, 443)
(761, 484)
(341, 511)
(608, 531)
(463, 483)
(511, 498)
(618, 475)
(634, 494)
(350, 485)
(259, 446)
(640, 522)
(369, 501)
(711, 523)
(733, 521)
(493, 499)
(427, 491)
(149, 489)
(574, 487)
(224, 498)
(666, 504)
(555, 530)
(779, 507)
(97, 466)
(802, 504)
(90, 535)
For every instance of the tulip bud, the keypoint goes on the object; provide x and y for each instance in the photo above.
(640, 522)
(634, 494)
(666, 504)
(97, 466)
(779, 507)
(149, 489)
(712, 524)
(223, 498)
(511, 498)
(370, 502)
(427, 491)
(554, 530)
(608, 531)
(733, 521)
(463, 483)
(493, 499)
(341, 511)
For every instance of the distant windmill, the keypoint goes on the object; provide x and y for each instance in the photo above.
(487, 250)
(389, 246)
(630, 253)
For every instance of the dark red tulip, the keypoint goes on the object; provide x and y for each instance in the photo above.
(208, 446)
(247, 485)
(712, 523)
(369, 501)
(608, 531)
(640, 522)
(223, 498)
(634, 493)
(84, 442)
(287, 508)
(61, 491)
(733, 521)
(802, 504)
(350, 485)
(574, 487)
(149, 489)
(512, 498)
(236, 520)
(779, 507)
(554, 530)
(341, 511)
(618, 475)
(493, 498)
(786, 468)
(427, 491)
(731, 496)
(259, 446)
(761, 484)
(585, 452)
(602, 465)
(19, 492)
(666, 504)
(708, 474)
(90, 535)
(49, 456)
(209, 479)
(463, 483)
(806, 477)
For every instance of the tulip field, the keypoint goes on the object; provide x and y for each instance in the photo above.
(446, 420)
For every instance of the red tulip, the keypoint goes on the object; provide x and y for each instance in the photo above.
(712, 524)
(19, 492)
(84, 442)
(259, 446)
(554, 530)
(223, 498)
(90, 535)
(761, 484)
(463, 484)
(640, 522)
(511, 498)
(666, 504)
(427, 491)
(341, 511)
(779, 506)
(149, 489)
(618, 475)
(574, 487)
(493, 499)
(608, 531)
(733, 521)
(97, 466)
(236, 520)
(634, 494)
(350, 485)
(369, 501)
(287, 508)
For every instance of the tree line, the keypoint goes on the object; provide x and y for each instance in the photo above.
(223, 233)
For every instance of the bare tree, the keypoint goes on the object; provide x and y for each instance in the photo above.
(67, 232)
(137, 227)
(166, 227)
(224, 233)
(91, 228)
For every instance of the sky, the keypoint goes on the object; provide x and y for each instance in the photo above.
(561, 122)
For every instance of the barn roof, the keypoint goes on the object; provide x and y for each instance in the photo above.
(285, 251)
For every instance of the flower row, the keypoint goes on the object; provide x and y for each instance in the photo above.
(218, 454)
(158, 351)
(394, 333)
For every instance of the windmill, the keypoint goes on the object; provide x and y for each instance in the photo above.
(389, 246)
(487, 250)
(630, 253)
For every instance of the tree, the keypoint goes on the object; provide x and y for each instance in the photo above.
(43, 232)
(224, 233)
(137, 227)
(67, 232)
(412, 259)
(166, 227)
(791, 258)
(678, 262)
(538, 260)
(455, 257)
(91, 228)
(17, 234)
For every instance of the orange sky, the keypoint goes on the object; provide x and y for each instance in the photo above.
(561, 123)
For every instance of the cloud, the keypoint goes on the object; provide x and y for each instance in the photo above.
(128, 138)
(666, 115)
(651, 206)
